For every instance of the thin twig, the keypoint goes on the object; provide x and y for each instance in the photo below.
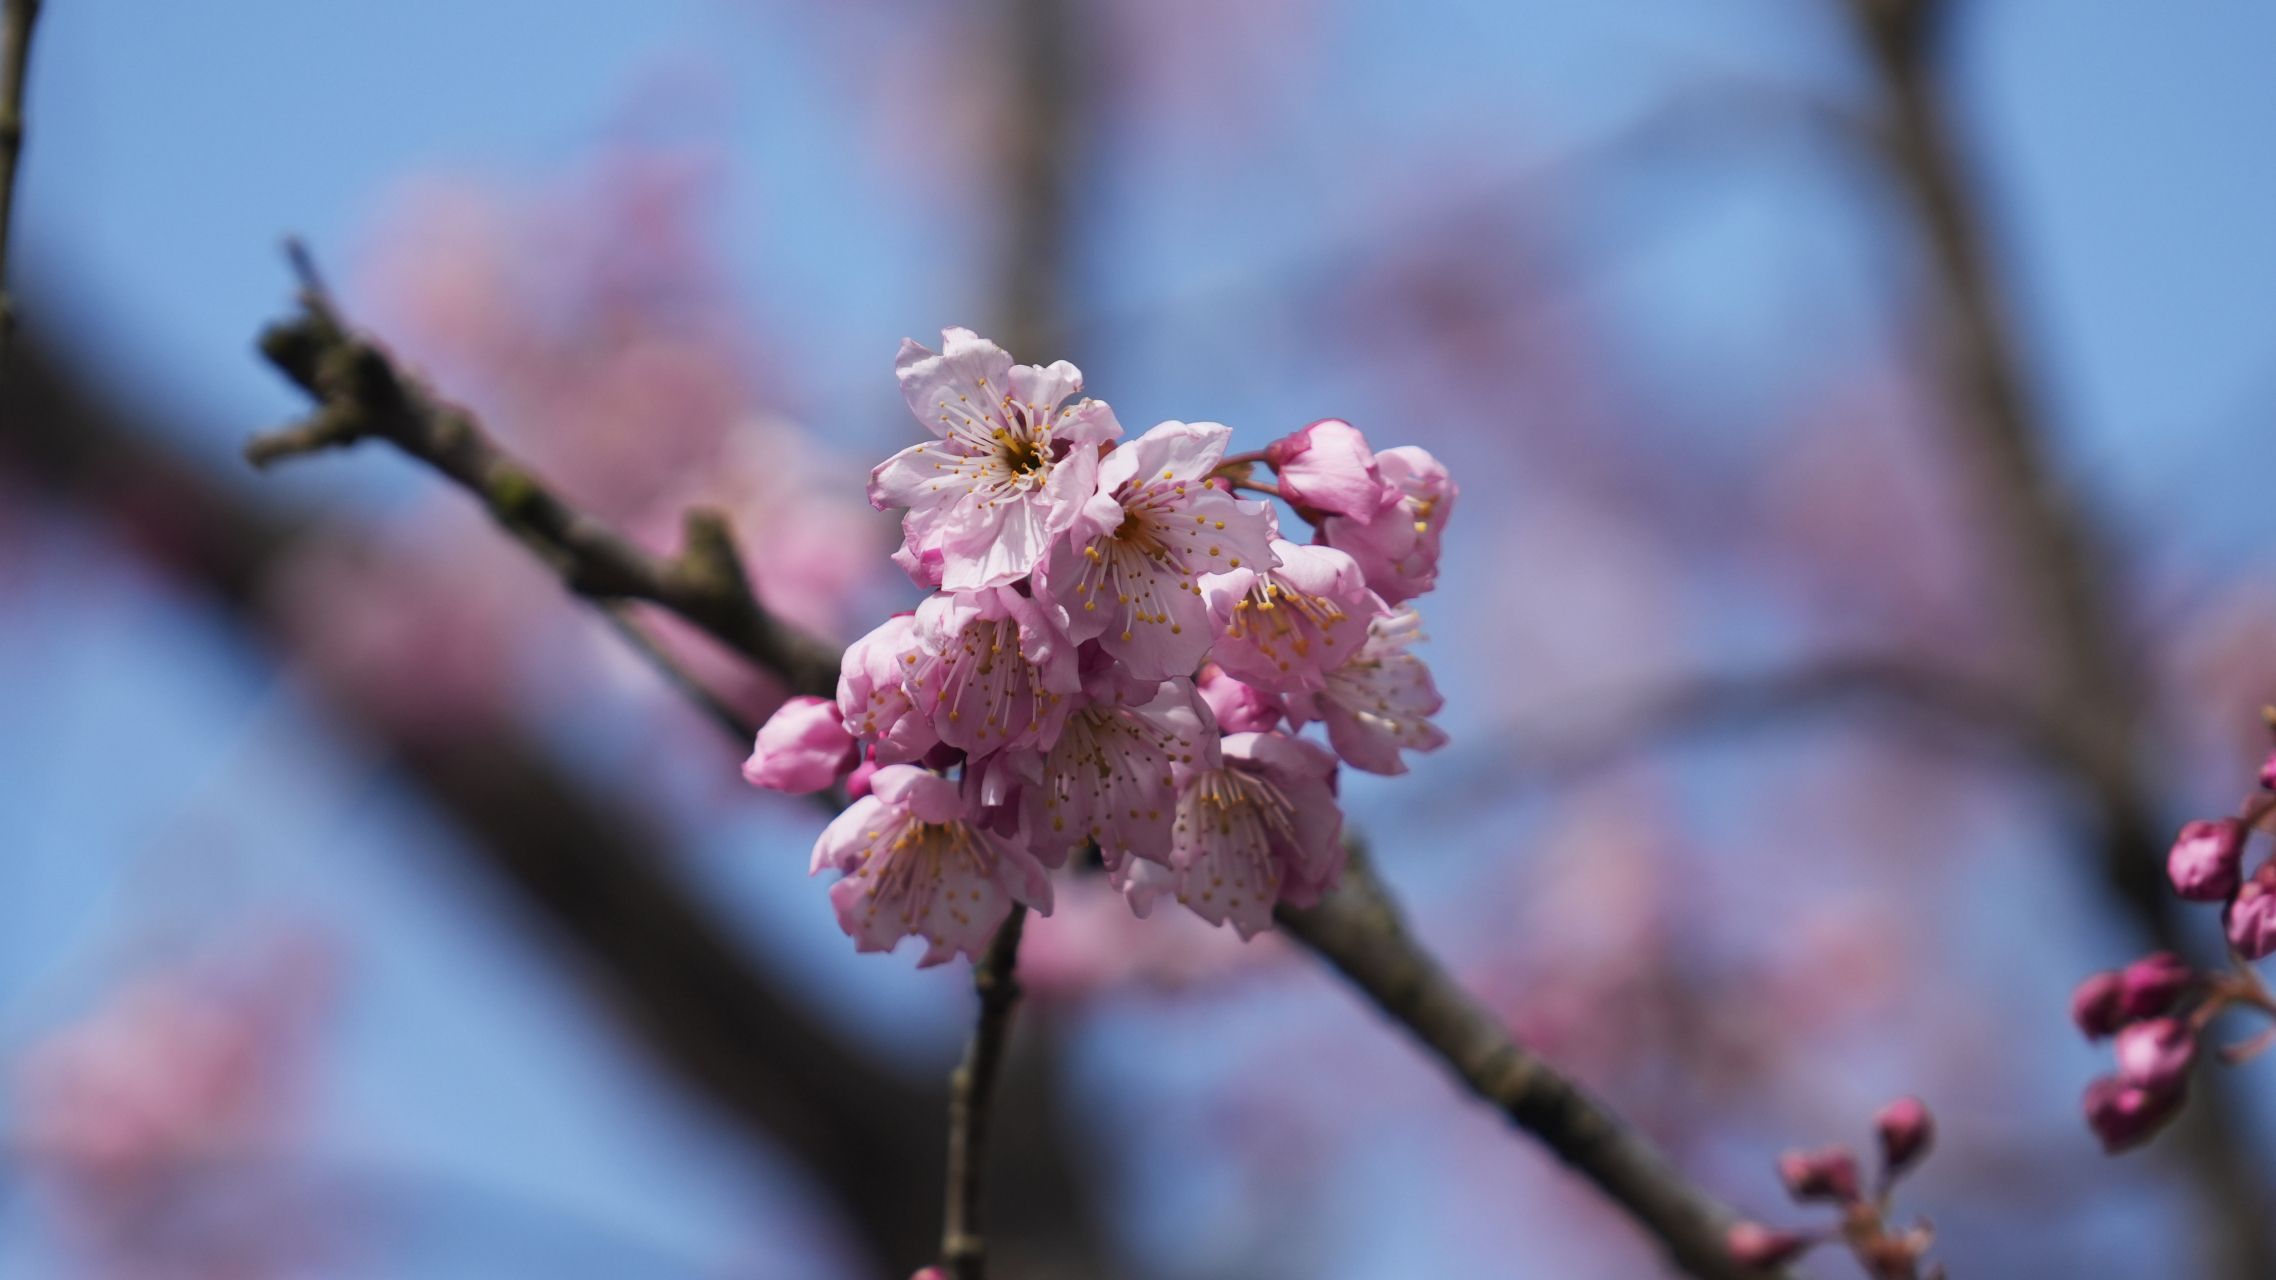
(1358, 930)
(361, 394)
(971, 1090)
(15, 60)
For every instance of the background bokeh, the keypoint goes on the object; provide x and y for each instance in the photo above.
(282, 998)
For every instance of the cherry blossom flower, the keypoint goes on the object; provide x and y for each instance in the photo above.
(1110, 777)
(1128, 572)
(1010, 469)
(1398, 548)
(874, 696)
(1380, 701)
(1238, 707)
(1328, 467)
(991, 670)
(914, 864)
(1282, 627)
(802, 748)
(1263, 829)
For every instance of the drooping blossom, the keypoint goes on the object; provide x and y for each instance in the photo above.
(1328, 468)
(914, 864)
(1262, 829)
(874, 697)
(802, 748)
(1239, 707)
(1111, 777)
(1398, 549)
(991, 670)
(1009, 472)
(1379, 702)
(1128, 573)
(1283, 627)
(2206, 861)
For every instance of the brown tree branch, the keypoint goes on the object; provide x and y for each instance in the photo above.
(2059, 572)
(971, 1094)
(15, 63)
(1358, 930)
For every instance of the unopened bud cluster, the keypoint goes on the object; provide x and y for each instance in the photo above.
(1119, 653)
(1830, 1175)
(2155, 1011)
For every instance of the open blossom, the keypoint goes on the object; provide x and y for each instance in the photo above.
(914, 864)
(1379, 702)
(1128, 573)
(1112, 776)
(1398, 548)
(991, 670)
(802, 748)
(1010, 469)
(1282, 627)
(874, 696)
(1263, 829)
(1328, 467)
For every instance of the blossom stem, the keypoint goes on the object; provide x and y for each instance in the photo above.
(1249, 459)
(15, 59)
(971, 1091)
(1258, 486)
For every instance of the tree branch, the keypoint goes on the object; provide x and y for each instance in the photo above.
(971, 1091)
(360, 394)
(15, 62)
(1358, 930)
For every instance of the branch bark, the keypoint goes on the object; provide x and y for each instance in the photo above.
(2060, 574)
(16, 27)
(971, 1096)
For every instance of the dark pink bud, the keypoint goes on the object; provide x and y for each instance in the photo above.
(930, 1273)
(2098, 1006)
(802, 748)
(1829, 1173)
(2125, 1116)
(2150, 985)
(1906, 1129)
(2251, 919)
(1328, 467)
(2206, 860)
(2268, 773)
(857, 782)
(2156, 1055)
(1755, 1245)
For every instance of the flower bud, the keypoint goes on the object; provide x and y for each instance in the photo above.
(1755, 1245)
(930, 1273)
(2098, 1006)
(2268, 773)
(1906, 1129)
(2251, 918)
(1328, 467)
(2149, 986)
(2124, 1116)
(2156, 1055)
(1829, 1173)
(2206, 860)
(803, 747)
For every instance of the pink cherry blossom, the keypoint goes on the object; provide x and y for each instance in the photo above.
(1110, 777)
(1263, 829)
(1009, 472)
(1398, 548)
(1826, 1174)
(1328, 467)
(2156, 1055)
(992, 670)
(1380, 701)
(2098, 1006)
(1129, 571)
(914, 864)
(1238, 707)
(874, 696)
(2124, 1115)
(1282, 627)
(2207, 859)
(2251, 919)
(1905, 1129)
(2150, 985)
(802, 748)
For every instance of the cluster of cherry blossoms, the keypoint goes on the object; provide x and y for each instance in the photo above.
(1905, 1130)
(2158, 1008)
(1119, 654)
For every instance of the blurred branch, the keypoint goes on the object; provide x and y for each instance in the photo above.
(15, 61)
(2060, 575)
(627, 626)
(360, 395)
(1358, 930)
(971, 1092)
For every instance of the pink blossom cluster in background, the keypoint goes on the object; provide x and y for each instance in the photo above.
(2157, 1009)
(1119, 652)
